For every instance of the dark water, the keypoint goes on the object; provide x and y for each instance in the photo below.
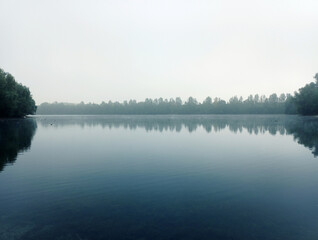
(159, 177)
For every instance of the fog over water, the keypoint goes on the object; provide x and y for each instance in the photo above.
(161, 120)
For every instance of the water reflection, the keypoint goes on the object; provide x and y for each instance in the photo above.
(84, 181)
(15, 137)
(304, 129)
(305, 132)
(253, 124)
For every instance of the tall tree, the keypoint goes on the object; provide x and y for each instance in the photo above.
(316, 77)
(15, 99)
(306, 100)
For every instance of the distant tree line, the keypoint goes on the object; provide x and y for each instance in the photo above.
(15, 99)
(304, 102)
(256, 104)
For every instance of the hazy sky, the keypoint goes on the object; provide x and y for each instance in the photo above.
(93, 51)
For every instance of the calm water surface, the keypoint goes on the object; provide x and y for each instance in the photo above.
(159, 177)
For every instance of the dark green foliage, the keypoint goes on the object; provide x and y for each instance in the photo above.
(306, 100)
(252, 105)
(15, 99)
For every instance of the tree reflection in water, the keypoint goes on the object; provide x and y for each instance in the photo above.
(303, 129)
(15, 137)
(16, 134)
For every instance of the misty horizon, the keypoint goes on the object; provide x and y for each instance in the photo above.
(184, 100)
(118, 50)
(161, 120)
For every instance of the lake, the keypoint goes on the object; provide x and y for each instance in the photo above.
(159, 177)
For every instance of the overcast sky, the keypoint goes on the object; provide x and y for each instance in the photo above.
(93, 51)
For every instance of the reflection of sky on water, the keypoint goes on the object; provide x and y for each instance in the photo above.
(158, 177)
(304, 129)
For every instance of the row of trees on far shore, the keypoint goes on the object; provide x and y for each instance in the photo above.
(304, 102)
(16, 101)
(274, 104)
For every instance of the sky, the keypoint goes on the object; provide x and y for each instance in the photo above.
(94, 51)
